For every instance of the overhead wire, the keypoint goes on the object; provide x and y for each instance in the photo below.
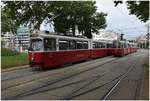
(132, 22)
(128, 29)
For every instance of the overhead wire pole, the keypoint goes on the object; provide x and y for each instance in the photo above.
(117, 30)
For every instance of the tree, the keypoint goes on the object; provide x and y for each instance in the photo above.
(28, 12)
(8, 24)
(72, 13)
(138, 8)
(80, 14)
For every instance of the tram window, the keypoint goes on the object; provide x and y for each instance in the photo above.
(85, 45)
(63, 45)
(109, 45)
(94, 45)
(72, 44)
(98, 45)
(114, 45)
(102, 45)
(127, 45)
(36, 45)
(130, 45)
(79, 45)
(121, 45)
(49, 44)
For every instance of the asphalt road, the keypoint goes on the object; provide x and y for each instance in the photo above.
(98, 79)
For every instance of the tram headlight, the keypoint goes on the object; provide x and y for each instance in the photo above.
(32, 58)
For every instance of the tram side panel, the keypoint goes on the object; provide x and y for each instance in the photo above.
(126, 52)
(135, 49)
(81, 55)
(110, 51)
(99, 52)
(53, 59)
(63, 57)
(131, 50)
(119, 52)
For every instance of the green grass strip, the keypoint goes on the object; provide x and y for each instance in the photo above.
(13, 61)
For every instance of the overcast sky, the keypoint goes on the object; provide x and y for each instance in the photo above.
(119, 20)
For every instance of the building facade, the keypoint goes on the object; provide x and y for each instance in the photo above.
(8, 40)
(19, 42)
(106, 36)
(22, 38)
(143, 41)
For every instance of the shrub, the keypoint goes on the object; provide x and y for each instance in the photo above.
(8, 52)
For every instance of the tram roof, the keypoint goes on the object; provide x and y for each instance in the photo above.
(43, 34)
(54, 35)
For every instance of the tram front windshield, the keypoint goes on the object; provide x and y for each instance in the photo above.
(36, 45)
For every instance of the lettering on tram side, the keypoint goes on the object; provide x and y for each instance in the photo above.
(80, 55)
(50, 55)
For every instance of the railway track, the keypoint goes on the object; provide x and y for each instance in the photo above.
(67, 77)
(117, 83)
(116, 79)
(70, 96)
(28, 73)
(91, 81)
(50, 74)
(24, 69)
(114, 87)
(63, 78)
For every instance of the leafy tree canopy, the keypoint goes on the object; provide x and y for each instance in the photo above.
(138, 8)
(8, 24)
(72, 13)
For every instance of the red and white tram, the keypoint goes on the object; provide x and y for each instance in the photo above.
(49, 51)
(124, 49)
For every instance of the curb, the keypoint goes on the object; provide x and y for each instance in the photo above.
(14, 68)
